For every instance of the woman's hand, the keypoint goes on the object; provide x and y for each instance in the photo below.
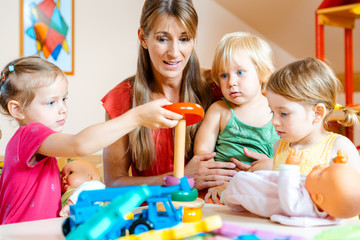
(208, 173)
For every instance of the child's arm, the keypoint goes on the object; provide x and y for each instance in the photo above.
(206, 136)
(207, 172)
(342, 142)
(98, 136)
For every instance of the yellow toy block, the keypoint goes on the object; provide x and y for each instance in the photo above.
(179, 232)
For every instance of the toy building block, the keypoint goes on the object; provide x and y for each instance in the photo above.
(197, 203)
(192, 114)
(86, 211)
(192, 215)
(208, 224)
(343, 232)
(236, 231)
(110, 215)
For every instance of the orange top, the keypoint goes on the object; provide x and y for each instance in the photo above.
(313, 156)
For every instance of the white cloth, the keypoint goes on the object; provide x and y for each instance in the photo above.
(278, 195)
(90, 185)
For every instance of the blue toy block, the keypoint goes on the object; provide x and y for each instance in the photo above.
(110, 216)
(89, 220)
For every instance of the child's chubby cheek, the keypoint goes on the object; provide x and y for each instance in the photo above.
(64, 186)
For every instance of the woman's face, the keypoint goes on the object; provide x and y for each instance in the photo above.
(169, 48)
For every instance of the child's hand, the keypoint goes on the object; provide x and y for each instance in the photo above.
(153, 115)
(263, 164)
(262, 161)
(215, 193)
(240, 166)
(295, 157)
(341, 157)
(65, 211)
(266, 164)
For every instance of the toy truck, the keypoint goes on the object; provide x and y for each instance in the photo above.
(89, 220)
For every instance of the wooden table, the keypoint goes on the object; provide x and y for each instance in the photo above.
(50, 229)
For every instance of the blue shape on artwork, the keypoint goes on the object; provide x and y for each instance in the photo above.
(31, 32)
(57, 22)
(56, 52)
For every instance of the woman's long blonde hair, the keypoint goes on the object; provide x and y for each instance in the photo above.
(193, 88)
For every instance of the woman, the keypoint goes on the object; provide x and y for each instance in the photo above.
(167, 68)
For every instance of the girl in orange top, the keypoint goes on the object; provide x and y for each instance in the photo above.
(302, 96)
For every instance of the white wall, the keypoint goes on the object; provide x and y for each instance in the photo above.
(106, 51)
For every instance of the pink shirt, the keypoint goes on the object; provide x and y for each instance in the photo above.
(29, 192)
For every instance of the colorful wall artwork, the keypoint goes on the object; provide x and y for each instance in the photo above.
(47, 30)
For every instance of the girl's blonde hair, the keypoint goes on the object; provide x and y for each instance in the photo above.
(21, 77)
(256, 48)
(310, 81)
(193, 88)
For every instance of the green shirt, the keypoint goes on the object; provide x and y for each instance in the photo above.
(237, 135)
(66, 196)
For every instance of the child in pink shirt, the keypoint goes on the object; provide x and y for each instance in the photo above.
(34, 92)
